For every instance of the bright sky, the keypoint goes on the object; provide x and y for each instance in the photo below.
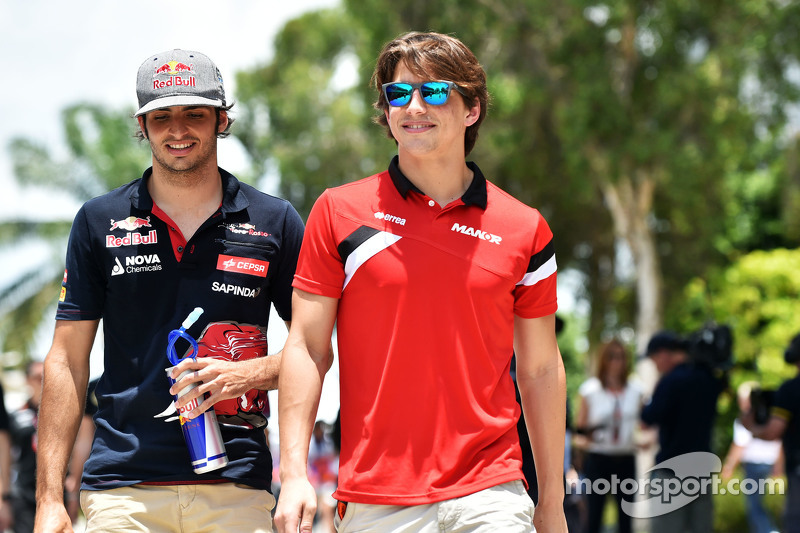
(60, 53)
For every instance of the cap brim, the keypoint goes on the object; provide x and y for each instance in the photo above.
(178, 100)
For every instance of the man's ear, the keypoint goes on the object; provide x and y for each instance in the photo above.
(473, 113)
(142, 126)
(223, 121)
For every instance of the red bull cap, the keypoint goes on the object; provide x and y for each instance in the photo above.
(178, 78)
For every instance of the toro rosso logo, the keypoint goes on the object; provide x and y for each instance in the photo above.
(243, 265)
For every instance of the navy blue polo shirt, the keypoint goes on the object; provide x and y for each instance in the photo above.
(128, 265)
(684, 407)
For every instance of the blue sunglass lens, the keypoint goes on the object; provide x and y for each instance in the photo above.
(398, 94)
(435, 92)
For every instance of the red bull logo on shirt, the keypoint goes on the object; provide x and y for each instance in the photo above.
(131, 239)
(130, 223)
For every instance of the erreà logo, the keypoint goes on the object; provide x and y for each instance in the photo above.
(390, 218)
(478, 234)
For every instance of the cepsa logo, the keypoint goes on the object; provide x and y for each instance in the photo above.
(173, 69)
(243, 265)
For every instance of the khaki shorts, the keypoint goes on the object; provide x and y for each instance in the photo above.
(223, 508)
(503, 508)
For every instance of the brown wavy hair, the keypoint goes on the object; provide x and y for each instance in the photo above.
(604, 355)
(433, 56)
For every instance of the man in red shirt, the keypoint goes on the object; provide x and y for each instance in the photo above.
(434, 277)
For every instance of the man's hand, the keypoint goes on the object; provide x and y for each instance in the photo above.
(547, 519)
(223, 380)
(52, 518)
(6, 516)
(296, 506)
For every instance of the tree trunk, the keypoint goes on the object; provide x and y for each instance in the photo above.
(630, 204)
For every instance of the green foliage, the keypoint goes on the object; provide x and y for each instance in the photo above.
(757, 296)
(103, 155)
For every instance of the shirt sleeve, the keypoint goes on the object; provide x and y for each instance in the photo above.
(786, 400)
(290, 249)
(320, 269)
(535, 294)
(83, 286)
(4, 423)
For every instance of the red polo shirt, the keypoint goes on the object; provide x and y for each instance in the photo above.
(425, 331)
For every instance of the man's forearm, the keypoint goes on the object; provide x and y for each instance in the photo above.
(544, 403)
(298, 399)
(63, 397)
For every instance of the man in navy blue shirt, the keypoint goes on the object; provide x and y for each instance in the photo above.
(186, 234)
(683, 407)
(784, 424)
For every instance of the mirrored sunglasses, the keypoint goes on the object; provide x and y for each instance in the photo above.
(399, 94)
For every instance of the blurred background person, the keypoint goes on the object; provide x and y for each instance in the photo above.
(607, 417)
(23, 426)
(784, 424)
(759, 459)
(684, 408)
(5, 465)
(323, 467)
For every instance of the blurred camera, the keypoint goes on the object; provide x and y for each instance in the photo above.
(761, 401)
(712, 346)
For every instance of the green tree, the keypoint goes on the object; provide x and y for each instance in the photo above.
(102, 155)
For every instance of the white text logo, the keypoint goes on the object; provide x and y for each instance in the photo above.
(236, 290)
(390, 218)
(478, 234)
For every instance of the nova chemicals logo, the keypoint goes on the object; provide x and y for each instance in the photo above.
(136, 263)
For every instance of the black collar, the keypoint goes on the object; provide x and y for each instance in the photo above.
(474, 195)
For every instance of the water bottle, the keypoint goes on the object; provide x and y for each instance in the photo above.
(202, 435)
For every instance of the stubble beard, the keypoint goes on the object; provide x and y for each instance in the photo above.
(186, 173)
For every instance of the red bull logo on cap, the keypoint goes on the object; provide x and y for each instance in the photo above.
(174, 69)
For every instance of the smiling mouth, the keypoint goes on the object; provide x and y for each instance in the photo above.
(180, 146)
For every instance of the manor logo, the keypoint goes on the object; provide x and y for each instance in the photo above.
(478, 234)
